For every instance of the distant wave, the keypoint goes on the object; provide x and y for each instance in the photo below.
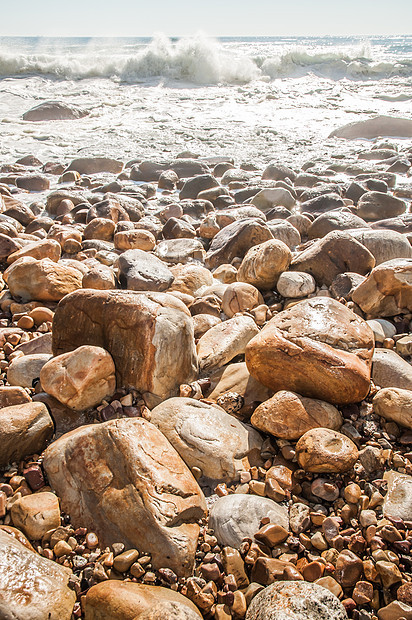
(198, 60)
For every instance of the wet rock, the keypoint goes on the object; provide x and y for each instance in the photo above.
(264, 263)
(149, 336)
(95, 165)
(33, 182)
(54, 111)
(225, 341)
(390, 370)
(335, 253)
(238, 516)
(288, 415)
(36, 514)
(41, 280)
(119, 600)
(124, 480)
(326, 451)
(295, 600)
(317, 348)
(141, 271)
(272, 197)
(32, 586)
(387, 291)
(375, 127)
(385, 245)
(207, 437)
(80, 379)
(48, 248)
(24, 430)
(341, 219)
(394, 404)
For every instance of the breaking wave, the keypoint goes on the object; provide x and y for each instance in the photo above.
(197, 60)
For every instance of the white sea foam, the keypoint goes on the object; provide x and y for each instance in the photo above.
(198, 60)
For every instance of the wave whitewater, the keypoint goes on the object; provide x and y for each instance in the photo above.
(197, 60)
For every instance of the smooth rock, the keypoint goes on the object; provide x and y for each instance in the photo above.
(36, 514)
(236, 378)
(41, 280)
(318, 348)
(149, 336)
(295, 600)
(375, 127)
(384, 244)
(54, 111)
(239, 297)
(32, 586)
(235, 240)
(95, 165)
(295, 284)
(326, 451)
(80, 379)
(394, 404)
(46, 248)
(288, 415)
(141, 271)
(180, 251)
(273, 197)
(26, 369)
(398, 500)
(390, 370)
(24, 430)
(264, 263)
(207, 437)
(190, 278)
(387, 291)
(374, 206)
(124, 481)
(13, 395)
(238, 516)
(225, 341)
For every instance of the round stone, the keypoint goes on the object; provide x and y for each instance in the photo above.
(322, 450)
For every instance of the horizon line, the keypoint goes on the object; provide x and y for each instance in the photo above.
(207, 35)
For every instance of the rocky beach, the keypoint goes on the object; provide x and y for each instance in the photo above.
(206, 383)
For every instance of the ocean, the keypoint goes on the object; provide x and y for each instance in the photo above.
(255, 99)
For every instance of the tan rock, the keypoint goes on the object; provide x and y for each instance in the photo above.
(335, 253)
(236, 378)
(390, 370)
(138, 239)
(235, 240)
(387, 291)
(288, 415)
(24, 370)
(225, 341)
(100, 228)
(46, 248)
(149, 336)
(95, 165)
(123, 480)
(326, 451)
(32, 587)
(13, 395)
(120, 600)
(264, 263)
(394, 404)
(81, 378)
(24, 430)
(239, 297)
(100, 278)
(36, 514)
(190, 278)
(207, 437)
(398, 500)
(170, 610)
(203, 322)
(395, 611)
(273, 197)
(317, 348)
(42, 280)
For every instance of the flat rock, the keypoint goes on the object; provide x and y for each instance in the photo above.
(32, 586)
(374, 206)
(141, 271)
(13, 395)
(224, 341)
(36, 514)
(54, 111)
(126, 482)
(295, 600)
(149, 336)
(318, 348)
(237, 516)
(288, 415)
(387, 291)
(121, 600)
(375, 127)
(332, 255)
(398, 500)
(390, 370)
(80, 379)
(207, 437)
(180, 251)
(95, 165)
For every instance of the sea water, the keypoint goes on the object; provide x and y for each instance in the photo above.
(255, 99)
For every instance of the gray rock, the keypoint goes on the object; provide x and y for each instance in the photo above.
(54, 111)
(225, 341)
(374, 206)
(24, 370)
(390, 370)
(296, 284)
(235, 517)
(384, 244)
(180, 250)
(382, 329)
(398, 500)
(295, 600)
(341, 219)
(282, 230)
(141, 271)
(299, 518)
(207, 437)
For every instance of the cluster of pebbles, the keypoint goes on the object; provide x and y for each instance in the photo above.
(206, 388)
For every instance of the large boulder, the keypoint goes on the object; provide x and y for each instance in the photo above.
(238, 516)
(207, 437)
(384, 244)
(318, 348)
(125, 481)
(235, 240)
(387, 291)
(295, 600)
(24, 430)
(81, 378)
(32, 586)
(374, 206)
(41, 280)
(335, 253)
(54, 111)
(141, 271)
(375, 127)
(121, 600)
(149, 336)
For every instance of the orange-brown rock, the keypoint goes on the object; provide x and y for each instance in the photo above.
(126, 482)
(318, 348)
(46, 248)
(387, 291)
(121, 600)
(322, 450)
(264, 263)
(24, 429)
(42, 280)
(288, 415)
(240, 296)
(149, 336)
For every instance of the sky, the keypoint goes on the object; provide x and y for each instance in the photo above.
(114, 18)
